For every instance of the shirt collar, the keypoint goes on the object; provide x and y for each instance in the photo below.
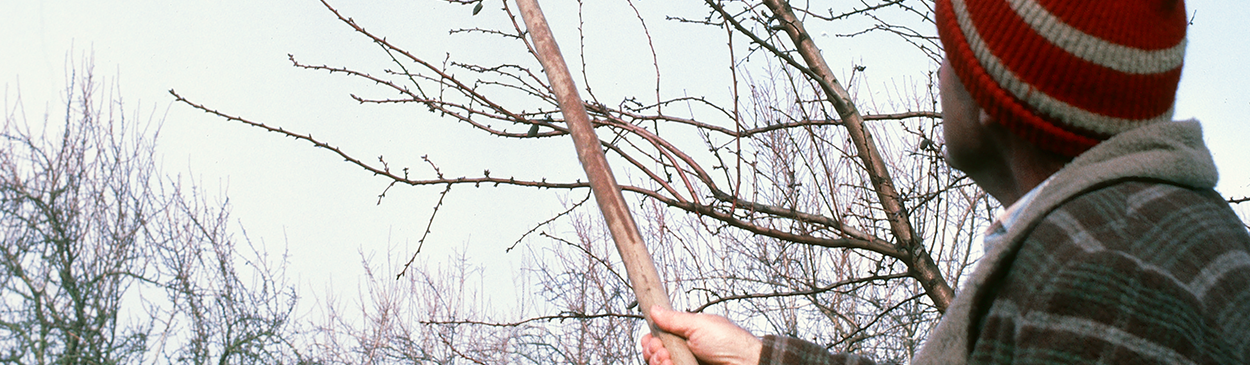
(1008, 217)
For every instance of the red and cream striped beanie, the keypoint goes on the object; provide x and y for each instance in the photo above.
(1067, 74)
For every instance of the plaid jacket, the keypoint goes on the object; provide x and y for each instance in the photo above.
(1126, 257)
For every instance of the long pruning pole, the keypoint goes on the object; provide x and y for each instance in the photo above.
(638, 264)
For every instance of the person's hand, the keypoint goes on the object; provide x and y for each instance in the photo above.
(712, 339)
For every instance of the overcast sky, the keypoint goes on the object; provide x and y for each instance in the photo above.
(232, 56)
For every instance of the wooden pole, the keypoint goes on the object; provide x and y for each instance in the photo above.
(638, 264)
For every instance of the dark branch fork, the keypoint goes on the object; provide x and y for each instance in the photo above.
(917, 259)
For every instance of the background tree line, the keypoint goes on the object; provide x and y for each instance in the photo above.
(107, 260)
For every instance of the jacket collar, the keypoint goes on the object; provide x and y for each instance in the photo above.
(1172, 152)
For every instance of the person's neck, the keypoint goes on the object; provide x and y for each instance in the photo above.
(1024, 167)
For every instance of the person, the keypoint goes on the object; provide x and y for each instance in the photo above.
(1113, 249)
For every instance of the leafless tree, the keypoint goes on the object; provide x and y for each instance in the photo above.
(214, 311)
(779, 198)
(74, 211)
(106, 261)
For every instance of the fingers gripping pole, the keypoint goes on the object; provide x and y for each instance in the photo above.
(642, 273)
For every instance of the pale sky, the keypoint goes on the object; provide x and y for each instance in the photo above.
(232, 55)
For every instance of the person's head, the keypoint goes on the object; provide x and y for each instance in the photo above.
(1061, 75)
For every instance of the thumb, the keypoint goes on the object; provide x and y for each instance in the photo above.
(671, 321)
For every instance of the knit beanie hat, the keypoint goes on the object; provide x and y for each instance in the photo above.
(1067, 74)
